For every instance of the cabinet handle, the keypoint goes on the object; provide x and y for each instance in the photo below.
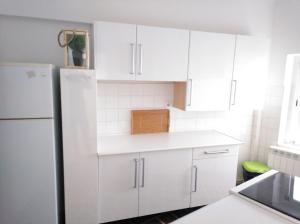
(135, 172)
(190, 86)
(234, 83)
(143, 172)
(195, 178)
(132, 71)
(141, 59)
(217, 152)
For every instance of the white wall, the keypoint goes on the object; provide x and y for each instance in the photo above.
(233, 16)
(285, 40)
(33, 40)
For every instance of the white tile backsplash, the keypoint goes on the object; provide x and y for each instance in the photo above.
(116, 100)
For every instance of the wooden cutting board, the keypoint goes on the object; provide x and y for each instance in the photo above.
(149, 121)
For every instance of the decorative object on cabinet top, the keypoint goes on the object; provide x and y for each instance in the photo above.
(76, 47)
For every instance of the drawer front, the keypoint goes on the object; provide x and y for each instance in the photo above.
(209, 152)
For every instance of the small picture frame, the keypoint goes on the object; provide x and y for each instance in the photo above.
(77, 50)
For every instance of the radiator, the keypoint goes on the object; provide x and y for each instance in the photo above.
(286, 162)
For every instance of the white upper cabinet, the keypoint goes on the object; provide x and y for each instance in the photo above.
(210, 71)
(144, 53)
(211, 59)
(162, 54)
(115, 51)
(250, 71)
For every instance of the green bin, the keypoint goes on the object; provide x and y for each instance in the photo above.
(252, 169)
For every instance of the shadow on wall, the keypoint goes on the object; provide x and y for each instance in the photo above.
(34, 40)
(253, 17)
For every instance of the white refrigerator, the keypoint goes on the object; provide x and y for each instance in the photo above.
(30, 145)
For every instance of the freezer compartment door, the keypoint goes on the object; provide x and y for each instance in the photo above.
(26, 91)
(27, 172)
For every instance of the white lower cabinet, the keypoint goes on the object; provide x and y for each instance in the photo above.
(164, 181)
(118, 189)
(213, 174)
(138, 184)
(145, 183)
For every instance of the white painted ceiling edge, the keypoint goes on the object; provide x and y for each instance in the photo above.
(253, 17)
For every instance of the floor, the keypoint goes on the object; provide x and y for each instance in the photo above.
(161, 218)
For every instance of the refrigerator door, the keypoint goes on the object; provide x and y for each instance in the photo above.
(26, 91)
(27, 172)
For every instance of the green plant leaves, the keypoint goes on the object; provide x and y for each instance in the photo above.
(78, 43)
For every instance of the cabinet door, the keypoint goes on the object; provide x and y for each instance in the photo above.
(213, 176)
(115, 51)
(210, 71)
(250, 71)
(162, 54)
(118, 187)
(165, 179)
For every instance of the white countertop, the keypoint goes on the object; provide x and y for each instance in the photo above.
(232, 210)
(249, 183)
(121, 144)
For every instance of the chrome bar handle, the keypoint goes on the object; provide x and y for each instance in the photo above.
(190, 86)
(235, 84)
(141, 59)
(195, 178)
(217, 152)
(143, 172)
(135, 172)
(132, 71)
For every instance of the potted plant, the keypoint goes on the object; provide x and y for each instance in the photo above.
(78, 45)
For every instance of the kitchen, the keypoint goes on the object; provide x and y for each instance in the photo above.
(235, 90)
